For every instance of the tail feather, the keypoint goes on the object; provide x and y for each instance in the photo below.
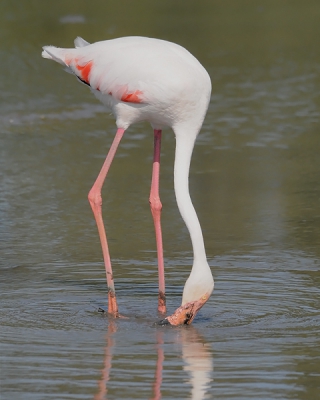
(79, 42)
(54, 53)
(64, 57)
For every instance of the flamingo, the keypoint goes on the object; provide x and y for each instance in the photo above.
(146, 79)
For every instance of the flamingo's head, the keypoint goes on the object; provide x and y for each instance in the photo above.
(185, 314)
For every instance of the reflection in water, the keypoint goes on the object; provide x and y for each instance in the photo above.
(158, 373)
(102, 394)
(196, 354)
(198, 362)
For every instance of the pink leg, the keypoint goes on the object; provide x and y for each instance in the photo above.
(156, 207)
(95, 201)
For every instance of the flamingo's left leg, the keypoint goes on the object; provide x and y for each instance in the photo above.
(156, 207)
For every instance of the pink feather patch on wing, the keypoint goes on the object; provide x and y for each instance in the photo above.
(132, 97)
(85, 71)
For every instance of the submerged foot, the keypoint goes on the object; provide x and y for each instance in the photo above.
(112, 306)
(112, 315)
(162, 303)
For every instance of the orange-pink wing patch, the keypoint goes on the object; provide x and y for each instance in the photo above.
(134, 97)
(85, 71)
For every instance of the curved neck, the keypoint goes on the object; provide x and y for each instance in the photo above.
(184, 147)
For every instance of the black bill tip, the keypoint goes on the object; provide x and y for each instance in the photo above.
(163, 322)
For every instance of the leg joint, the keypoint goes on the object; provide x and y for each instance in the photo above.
(95, 198)
(155, 203)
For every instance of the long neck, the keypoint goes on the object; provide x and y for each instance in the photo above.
(184, 147)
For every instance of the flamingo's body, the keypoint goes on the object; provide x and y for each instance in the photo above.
(141, 79)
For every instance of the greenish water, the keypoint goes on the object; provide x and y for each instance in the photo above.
(254, 182)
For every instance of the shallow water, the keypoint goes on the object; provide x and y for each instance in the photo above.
(254, 182)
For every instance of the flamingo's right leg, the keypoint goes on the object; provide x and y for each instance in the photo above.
(95, 201)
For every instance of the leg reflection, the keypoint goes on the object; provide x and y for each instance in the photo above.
(102, 394)
(158, 373)
(197, 363)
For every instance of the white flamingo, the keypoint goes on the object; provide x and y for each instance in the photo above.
(144, 79)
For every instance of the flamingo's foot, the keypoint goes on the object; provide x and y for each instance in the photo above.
(112, 303)
(162, 303)
(112, 306)
(118, 316)
(185, 314)
(113, 315)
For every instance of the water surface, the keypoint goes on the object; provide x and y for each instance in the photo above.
(254, 182)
